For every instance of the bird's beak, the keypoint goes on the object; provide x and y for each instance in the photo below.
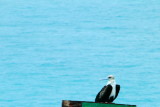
(103, 79)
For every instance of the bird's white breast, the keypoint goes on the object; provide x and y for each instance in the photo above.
(113, 92)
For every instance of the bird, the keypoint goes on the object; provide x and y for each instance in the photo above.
(109, 92)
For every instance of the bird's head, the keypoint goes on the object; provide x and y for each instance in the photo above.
(111, 79)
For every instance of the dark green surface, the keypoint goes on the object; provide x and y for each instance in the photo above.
(85, 104)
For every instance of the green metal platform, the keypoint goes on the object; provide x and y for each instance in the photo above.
(85, 104)
(67, 103)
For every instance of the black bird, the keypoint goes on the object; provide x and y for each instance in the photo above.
(109, 92)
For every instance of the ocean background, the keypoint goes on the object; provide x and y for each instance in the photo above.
(54, 50)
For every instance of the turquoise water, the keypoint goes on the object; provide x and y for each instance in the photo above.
(53, 50)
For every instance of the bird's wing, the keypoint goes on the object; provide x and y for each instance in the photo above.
(104, 93)
(117, 90)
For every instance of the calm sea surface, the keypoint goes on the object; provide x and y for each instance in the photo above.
(54, 50)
